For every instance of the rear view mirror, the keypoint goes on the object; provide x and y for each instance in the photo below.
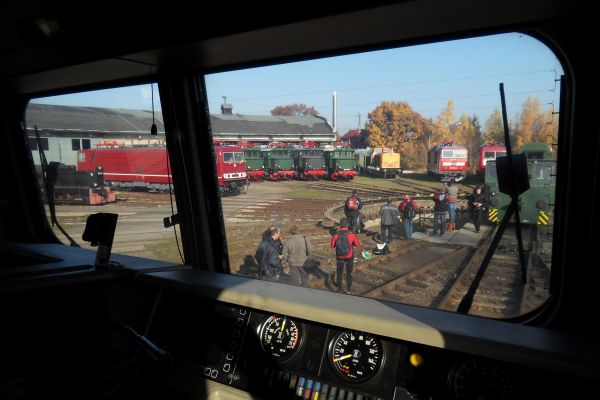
(100, 231)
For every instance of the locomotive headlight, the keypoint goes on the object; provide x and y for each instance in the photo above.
(493, 193)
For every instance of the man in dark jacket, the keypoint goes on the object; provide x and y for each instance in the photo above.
(266, 234)
(389, 218)
(344, 242)
(476, 206)
(268, 257)
(440, 209)
(352, 208)
(408, 209)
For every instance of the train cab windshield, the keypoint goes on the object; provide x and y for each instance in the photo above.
(106, 159)
(403, 129)
(230, 157)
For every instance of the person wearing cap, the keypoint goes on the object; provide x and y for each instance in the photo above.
(440, 209)
(344, 242)
(408, 209)
(389, 217)
(452, 191)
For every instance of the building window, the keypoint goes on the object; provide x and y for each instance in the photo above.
(75, 144)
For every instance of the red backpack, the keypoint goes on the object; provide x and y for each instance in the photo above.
(352, 203)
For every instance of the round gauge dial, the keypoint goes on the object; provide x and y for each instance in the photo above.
(480, 379)
(280, 337)
(356, 356)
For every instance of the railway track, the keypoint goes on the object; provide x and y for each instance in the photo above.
(366, 191)
(501, 292)
(439, 276)
(417, 272)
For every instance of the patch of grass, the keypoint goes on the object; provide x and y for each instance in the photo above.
(376, 182)
(315, 194)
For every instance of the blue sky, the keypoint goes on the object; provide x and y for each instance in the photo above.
(467, 71)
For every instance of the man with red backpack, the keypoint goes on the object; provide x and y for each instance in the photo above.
(344, 242)
(352, 209)
(408, 209)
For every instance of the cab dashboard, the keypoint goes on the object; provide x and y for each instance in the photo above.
(277, 356)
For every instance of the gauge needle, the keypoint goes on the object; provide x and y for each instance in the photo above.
(283, 325)
(342, 358)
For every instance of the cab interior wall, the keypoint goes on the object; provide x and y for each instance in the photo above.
(54, 328)
(55, 331)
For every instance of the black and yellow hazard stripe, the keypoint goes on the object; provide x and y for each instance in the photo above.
(542, 218)
(493, 215)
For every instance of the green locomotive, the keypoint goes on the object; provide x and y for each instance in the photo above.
(537, 203)
(340, 163)
(255, 164)
(279, 163)
(310, 163)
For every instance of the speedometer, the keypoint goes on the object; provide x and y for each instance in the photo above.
(280, 337)
(356, 356)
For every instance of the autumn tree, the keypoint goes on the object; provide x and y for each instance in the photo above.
(494, 128)
(396, 125)
(444, 126)
(294, 110)
(469, 135)
(531, 123)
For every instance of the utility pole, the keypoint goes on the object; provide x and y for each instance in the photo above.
(359, 122)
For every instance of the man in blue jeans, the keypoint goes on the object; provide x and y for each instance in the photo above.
(452, 191)
(408, 209)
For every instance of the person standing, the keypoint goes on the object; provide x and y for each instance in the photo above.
(389, 218)
(295, 252)
(440, 209)
(452, 191)
(352, 208)
(408, 209)
(476, 206)
(267, 256)
(266, 234)
(344, 242)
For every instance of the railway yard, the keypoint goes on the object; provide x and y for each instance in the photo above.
(429, 271)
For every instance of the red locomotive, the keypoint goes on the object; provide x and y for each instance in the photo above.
(448, 160)
(231, 168)
(147, 168)
(489, 151)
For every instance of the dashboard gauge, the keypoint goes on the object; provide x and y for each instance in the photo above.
(280, 337)
(480, 379)
(356, 356)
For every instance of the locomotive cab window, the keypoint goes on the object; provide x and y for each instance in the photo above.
(106, 160)
(378, 174)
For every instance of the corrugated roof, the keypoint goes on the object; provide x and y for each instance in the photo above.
(91, 118)
(269, 124)
(53, 117)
